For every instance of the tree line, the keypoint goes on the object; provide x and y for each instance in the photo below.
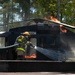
(64, 10)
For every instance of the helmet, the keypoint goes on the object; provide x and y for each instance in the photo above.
(26, 33)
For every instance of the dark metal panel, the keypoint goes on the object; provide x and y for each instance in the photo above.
(36, 66)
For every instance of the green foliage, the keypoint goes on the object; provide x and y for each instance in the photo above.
(68, 13)
(46, 7)
(23, 3)
(2, 1)
(50, 7)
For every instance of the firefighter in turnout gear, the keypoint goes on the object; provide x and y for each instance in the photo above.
(23, 43)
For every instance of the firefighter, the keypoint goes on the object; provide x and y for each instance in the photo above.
(22, 41)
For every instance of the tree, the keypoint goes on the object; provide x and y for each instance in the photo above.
(46, 7)
(68, 11)
(2, 1)
(25, 4)
(9, 10)
(49, 7)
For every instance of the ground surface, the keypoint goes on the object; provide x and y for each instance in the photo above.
(35, 73)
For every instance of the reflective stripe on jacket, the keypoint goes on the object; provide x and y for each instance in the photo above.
(21, 49)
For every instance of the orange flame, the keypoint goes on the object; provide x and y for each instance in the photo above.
(61, 26)
(54, 19)
(31, 56)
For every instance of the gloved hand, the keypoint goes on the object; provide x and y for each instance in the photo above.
(33, 46)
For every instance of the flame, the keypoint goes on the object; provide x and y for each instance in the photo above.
(31, 56)
(54, 19)
(61, 26)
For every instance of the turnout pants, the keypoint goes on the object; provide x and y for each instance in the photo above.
(20, 55)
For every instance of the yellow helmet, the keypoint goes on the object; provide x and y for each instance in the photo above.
(26, 33)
